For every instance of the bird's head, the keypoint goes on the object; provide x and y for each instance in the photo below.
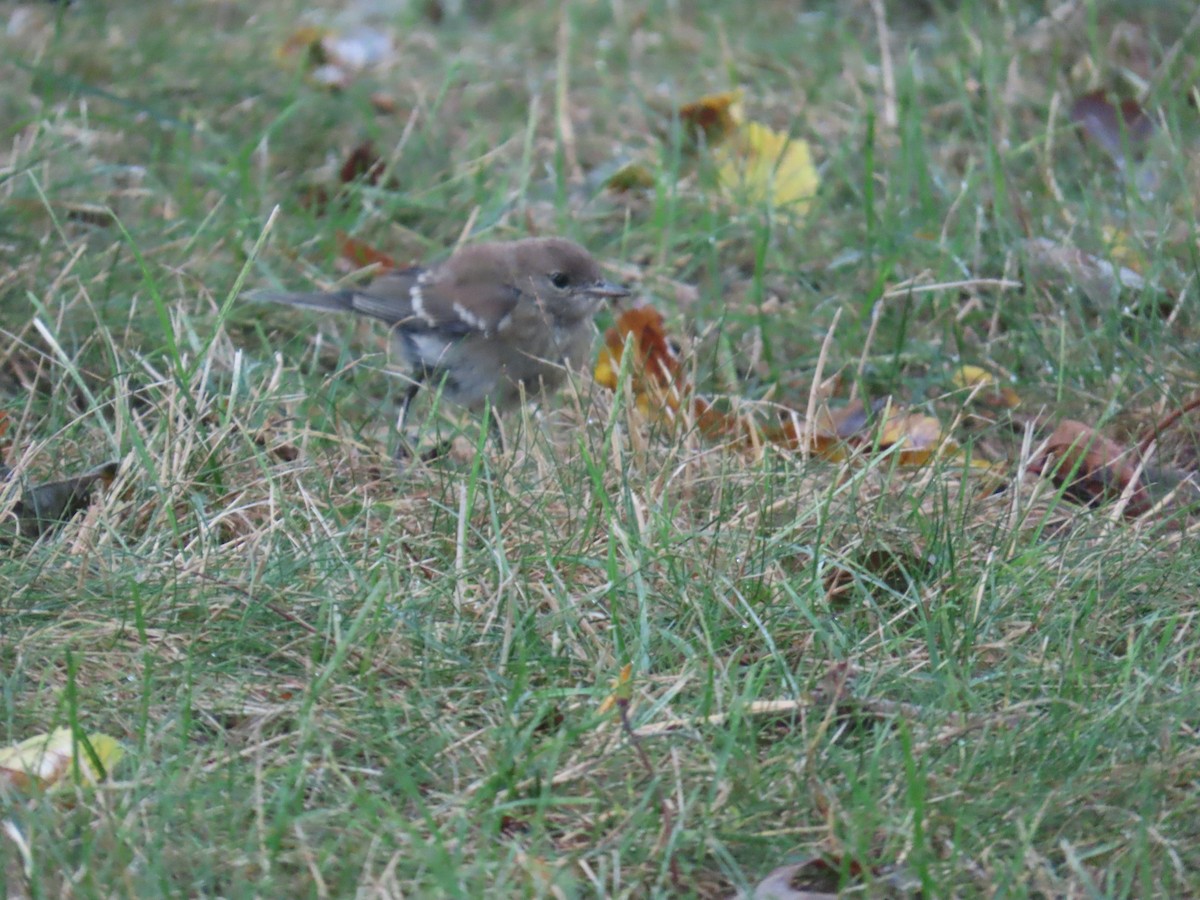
(564, 276)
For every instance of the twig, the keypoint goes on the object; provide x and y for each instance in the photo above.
(1154, 432)
(887, 70)
(810, 414)
(905, 290)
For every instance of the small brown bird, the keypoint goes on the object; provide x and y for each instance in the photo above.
(491, 320)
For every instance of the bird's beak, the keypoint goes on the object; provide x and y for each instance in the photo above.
(604, 288)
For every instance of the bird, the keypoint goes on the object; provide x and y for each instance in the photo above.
(491, 324)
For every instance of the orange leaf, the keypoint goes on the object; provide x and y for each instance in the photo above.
(622, 689)
(717, 115)
(363, 254)
(656, 365)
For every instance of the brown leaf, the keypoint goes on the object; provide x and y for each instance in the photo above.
(362, 163)
(1090, 467)
(44, 506)
(847, 423)
(716, 115)
(1114, 128)
(383, 103)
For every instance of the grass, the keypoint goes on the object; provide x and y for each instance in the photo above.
(334, 679)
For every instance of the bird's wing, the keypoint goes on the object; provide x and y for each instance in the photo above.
(431, 300)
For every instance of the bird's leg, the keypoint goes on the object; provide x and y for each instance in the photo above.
(494, 431)
(403, 452)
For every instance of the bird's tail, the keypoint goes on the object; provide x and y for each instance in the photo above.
(332, 301)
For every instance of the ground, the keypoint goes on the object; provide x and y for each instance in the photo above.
(331, 676)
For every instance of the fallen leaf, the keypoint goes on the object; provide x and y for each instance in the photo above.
(46, 759)
(1122, 250)
(630, 177)
(919, 437)
(716, 116)
(1099, 280)
(384, 104)
(655, 371)
(362, 163)
(306, 40)
(855, 427)
(661, 388)
(1090, 467)
(984, 387)
(1114, 127)
(363, 254)
(622, 690)
(762, 165)
(43, 506)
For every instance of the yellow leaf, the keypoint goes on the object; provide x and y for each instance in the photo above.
(46, 759)
(972, 376)
(765, 166)
(622, 689)
(608, 364)
(1122, 250)
(986, 385)
(919, 436)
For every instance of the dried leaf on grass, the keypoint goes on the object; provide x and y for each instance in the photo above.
(362, 164)
(622, 690)
(1115, 127)
(45, 760)
(985, 387)
(662, 390)
(363, 254)
(755, 164)
(41, 507)
(1091, 468)
(632, 176)
(761, 165)
(715, 116)
(1099, 280)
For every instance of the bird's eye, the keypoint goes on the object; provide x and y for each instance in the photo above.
(560, 279)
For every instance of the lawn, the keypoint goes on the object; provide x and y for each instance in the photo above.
(623, 654)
